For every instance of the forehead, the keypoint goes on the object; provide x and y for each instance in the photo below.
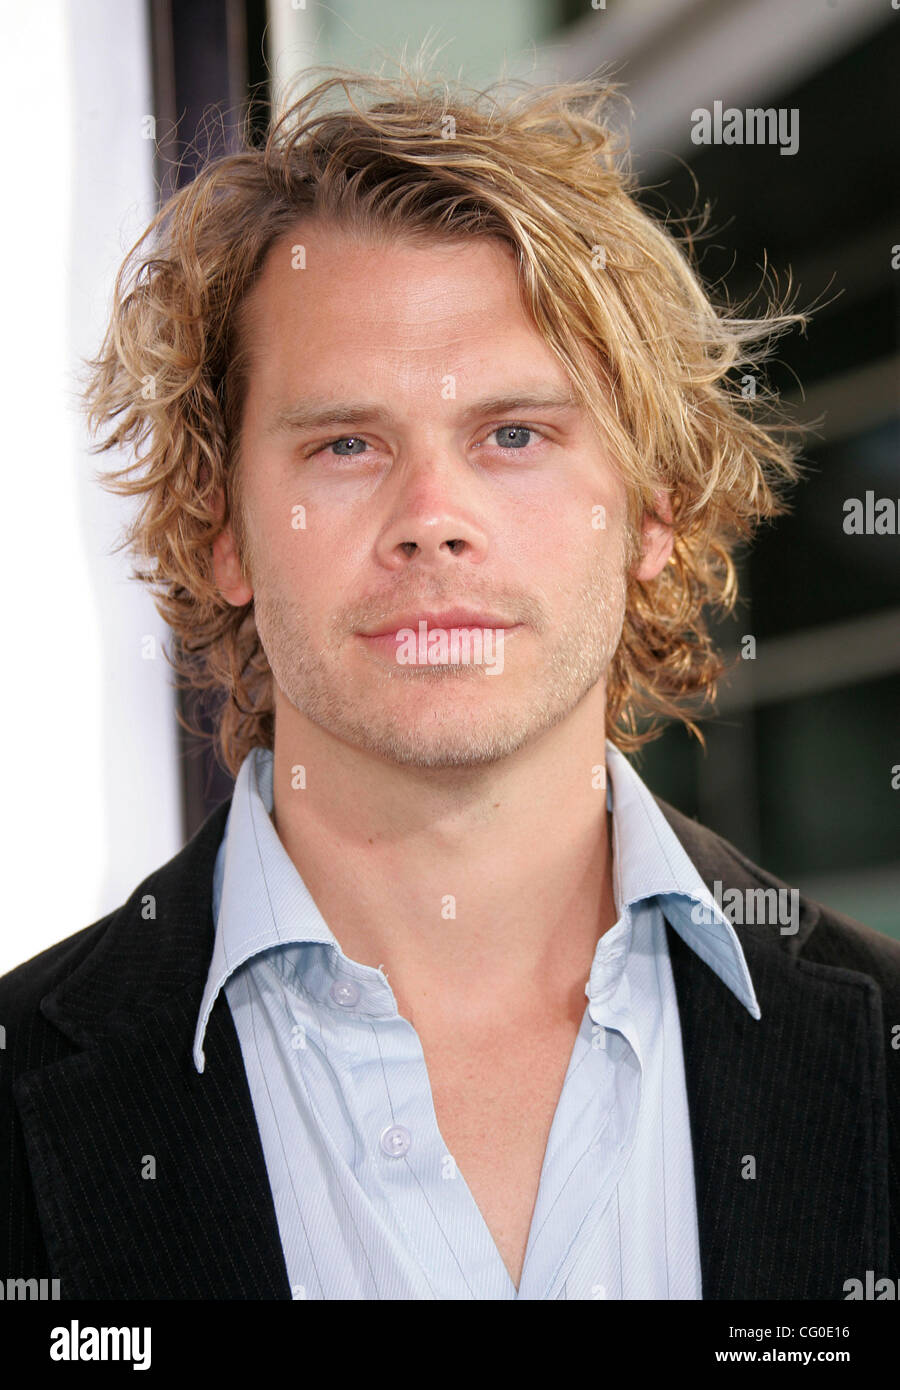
(335, 297)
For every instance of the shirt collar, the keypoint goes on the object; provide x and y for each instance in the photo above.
(260, 900)
(259, 897)
(649, 861)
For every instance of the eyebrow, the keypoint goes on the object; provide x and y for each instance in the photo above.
(311, 414)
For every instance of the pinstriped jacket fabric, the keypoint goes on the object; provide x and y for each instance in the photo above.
(97, 1073)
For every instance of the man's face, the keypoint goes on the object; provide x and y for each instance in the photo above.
(433, 478)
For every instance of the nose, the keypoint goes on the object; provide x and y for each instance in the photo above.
(433, 522)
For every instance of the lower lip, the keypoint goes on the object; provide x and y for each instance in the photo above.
(386, 643)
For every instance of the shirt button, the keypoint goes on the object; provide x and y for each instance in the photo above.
(395, 1140)
(345, 992)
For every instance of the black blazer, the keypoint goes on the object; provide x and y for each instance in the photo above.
(97, 1073)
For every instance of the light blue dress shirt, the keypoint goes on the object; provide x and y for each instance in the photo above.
(369, 1202)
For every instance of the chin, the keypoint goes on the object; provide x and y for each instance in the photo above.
(447, 744)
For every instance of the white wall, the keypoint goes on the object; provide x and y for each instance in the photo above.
(91, 788)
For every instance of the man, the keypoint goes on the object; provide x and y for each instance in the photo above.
(441, 466)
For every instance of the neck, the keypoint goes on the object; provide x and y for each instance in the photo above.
(462, 882)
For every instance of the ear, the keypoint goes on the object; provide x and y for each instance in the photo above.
(226, 565)
(657, 538)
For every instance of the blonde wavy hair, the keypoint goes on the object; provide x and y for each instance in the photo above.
(613, 292)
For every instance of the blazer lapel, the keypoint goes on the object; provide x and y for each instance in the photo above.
(788, 1112)
(149, 1177)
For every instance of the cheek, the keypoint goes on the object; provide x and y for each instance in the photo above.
(540, 526)
(282, 537)
(579, 535)
(313, 558)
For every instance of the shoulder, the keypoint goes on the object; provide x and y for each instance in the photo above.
(830, 938)
(30, 1039)
(116, 955)
(22, 988)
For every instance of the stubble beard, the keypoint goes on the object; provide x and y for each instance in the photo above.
(347, 697)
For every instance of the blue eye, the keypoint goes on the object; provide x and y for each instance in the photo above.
(347, 439)
(518, 439)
